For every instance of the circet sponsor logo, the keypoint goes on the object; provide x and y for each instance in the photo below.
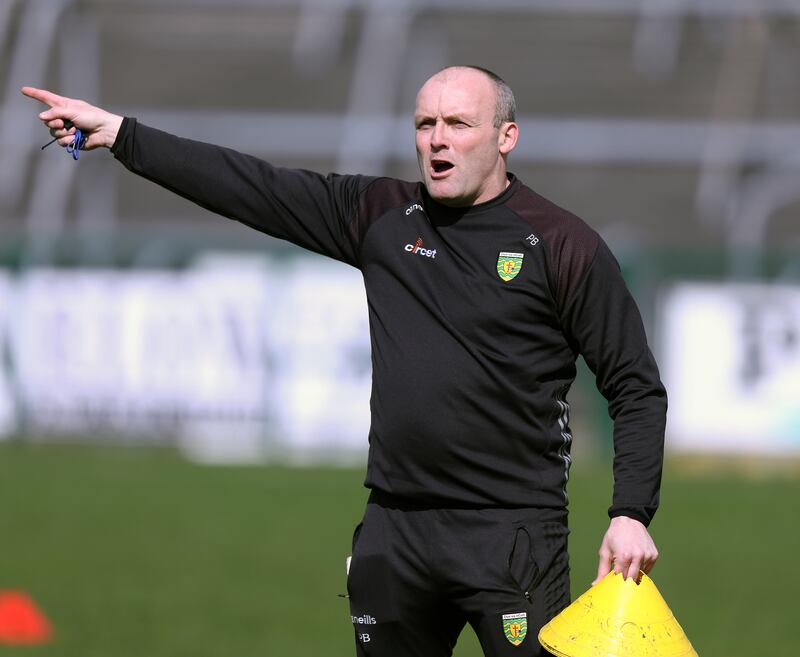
(418, 249)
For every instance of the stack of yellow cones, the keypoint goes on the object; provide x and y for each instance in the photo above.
(617, 618)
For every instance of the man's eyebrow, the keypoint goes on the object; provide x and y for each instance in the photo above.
(459, 117)
(455, 117)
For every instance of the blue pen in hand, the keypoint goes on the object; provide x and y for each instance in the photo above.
(77, 145)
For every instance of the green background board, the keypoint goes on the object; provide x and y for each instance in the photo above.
(135, 552)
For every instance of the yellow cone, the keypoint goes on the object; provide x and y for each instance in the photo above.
(617, 618)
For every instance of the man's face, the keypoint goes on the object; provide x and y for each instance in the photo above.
(459, 150)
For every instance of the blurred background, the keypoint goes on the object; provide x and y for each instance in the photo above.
(143, 340)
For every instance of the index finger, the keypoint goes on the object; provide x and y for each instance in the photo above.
(44, 96)
(633, 570)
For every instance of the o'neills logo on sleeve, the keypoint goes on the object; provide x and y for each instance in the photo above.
(366, 619)
(419, 249)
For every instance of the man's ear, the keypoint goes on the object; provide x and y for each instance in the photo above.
(507, 137)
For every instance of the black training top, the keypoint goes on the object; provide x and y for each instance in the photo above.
(476, 319)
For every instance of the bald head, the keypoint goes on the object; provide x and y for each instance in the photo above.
(505, 103)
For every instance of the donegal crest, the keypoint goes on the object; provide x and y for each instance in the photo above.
(509, 264)
(515, 627)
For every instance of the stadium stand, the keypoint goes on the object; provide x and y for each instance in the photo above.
(663, 123)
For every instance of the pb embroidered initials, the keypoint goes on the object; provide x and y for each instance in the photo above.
(418, 249)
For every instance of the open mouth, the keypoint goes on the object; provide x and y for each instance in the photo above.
(441, 166)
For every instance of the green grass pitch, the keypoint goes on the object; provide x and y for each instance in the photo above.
(134, 552)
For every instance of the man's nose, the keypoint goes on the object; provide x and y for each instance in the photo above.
(438, 135)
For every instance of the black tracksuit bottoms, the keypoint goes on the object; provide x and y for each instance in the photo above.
(418, 575)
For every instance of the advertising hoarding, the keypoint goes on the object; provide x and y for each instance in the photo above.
(731, 363)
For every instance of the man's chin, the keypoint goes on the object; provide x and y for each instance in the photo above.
(444, 194)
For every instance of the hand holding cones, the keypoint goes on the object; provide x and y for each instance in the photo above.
(617, 618)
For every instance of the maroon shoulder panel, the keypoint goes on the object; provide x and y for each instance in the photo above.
(380, 196)
(570, 243)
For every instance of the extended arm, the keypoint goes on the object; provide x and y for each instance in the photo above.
(308, 209)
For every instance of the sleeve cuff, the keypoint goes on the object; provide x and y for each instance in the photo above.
(124, 134)
(637, 513)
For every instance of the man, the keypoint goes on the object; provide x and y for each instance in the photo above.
(481, 295)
